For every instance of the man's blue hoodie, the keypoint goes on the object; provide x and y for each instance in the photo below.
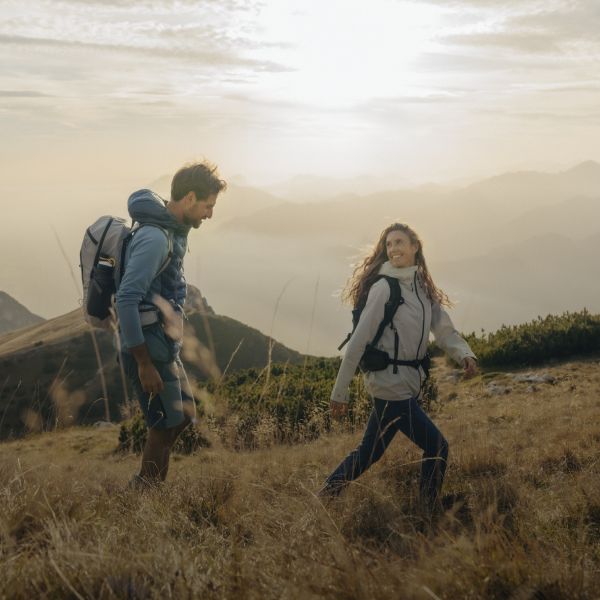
(146, 253)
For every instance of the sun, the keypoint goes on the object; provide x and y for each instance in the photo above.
(344, 52)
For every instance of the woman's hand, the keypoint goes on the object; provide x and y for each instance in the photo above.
(338, 409)
(470, 367)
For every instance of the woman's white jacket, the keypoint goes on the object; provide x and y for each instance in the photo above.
(414, 320)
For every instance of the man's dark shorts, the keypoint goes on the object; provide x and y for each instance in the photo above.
(175, 403)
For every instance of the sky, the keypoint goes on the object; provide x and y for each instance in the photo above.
(99, 98)
(97, 91)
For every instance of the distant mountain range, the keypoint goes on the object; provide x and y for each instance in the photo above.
(545, 274)
(13, 315)
(312, 188)
(269, 262)
(236, 201)
(484, 211)
(467, 235)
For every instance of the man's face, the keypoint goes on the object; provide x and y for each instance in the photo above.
(197, 210)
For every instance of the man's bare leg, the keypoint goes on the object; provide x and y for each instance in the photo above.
(175, 433)
(157, 450)
(153, 461)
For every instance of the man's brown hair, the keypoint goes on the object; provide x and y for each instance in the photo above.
(201, 178)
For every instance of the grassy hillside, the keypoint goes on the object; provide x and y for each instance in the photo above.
(54, 381)
(522, 513)
(50, 375)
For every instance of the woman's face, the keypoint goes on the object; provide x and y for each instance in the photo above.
(401, 251)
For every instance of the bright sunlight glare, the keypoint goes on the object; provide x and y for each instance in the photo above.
(344, 52)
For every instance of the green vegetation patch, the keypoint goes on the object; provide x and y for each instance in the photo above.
(545, 338)
(282, 404)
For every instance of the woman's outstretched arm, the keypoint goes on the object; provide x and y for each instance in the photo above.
(450, 341)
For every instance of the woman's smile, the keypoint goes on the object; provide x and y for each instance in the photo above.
(401, 252)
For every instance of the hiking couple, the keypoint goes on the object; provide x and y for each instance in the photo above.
(392, 289)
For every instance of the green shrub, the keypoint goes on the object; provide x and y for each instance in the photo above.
(291, 405)
(281, 405)
(546, 338)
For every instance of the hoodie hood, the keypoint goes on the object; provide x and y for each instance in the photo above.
(145, 206)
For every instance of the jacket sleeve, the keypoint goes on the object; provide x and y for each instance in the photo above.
(446, 336)
(365, 331)
(149, 249)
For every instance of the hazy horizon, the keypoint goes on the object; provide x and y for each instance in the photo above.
(496, 246)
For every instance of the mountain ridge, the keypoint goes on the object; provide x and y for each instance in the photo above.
(14, 315)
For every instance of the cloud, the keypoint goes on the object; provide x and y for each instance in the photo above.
(575, 87)
(227, 5)
(214, 35)
(22, 94)
(551, 27)
(208, 58)
(495, 5)
(158, 103)
(529, 42)
(255, 100)
(387, 105)
(573, 21)
(392, 104)
(463, 62)
(583, 86)
(550, 116)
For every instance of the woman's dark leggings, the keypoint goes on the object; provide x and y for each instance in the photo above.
(386, 419)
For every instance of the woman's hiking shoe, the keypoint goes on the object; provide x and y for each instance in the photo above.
(330, 491)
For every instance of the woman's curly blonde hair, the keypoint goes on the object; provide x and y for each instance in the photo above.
(365, 273)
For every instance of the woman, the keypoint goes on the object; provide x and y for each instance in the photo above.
(395, 389)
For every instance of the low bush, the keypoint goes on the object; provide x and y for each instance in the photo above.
(546, 338)
(282, 405)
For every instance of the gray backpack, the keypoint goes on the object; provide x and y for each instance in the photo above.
(102, 263)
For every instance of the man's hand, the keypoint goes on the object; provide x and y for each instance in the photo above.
(470, 367)
(149, 376)
(338, 409)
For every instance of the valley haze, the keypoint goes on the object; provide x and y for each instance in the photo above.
(506, 249)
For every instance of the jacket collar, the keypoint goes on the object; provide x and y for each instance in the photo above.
(402, 273)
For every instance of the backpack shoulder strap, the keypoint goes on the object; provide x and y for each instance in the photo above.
(390, 308)
(102, 238)
(356, 312)
(126, 241)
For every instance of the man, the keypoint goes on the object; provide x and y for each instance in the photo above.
(149, 305)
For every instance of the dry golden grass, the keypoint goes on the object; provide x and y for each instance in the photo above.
(522, 496)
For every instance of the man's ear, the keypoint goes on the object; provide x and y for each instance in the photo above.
(189, 198)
